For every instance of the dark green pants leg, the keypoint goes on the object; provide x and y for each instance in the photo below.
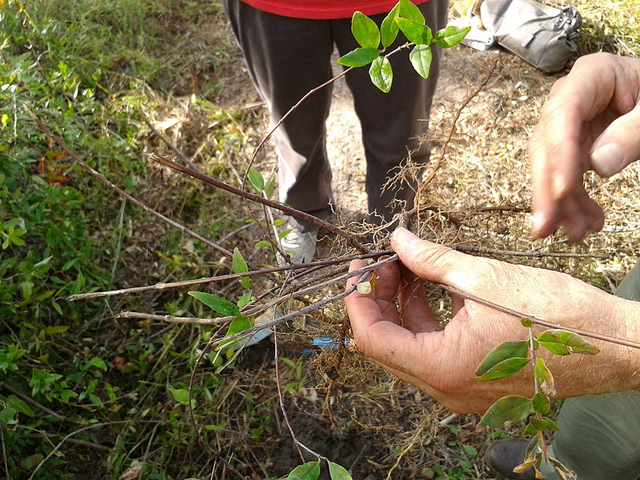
(599, 435)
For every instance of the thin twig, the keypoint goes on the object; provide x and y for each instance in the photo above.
(366, 273)
(298, 444)
(530, 254)
(172, 319)
(32, 402)
(291, 110)
(80, 430)
(415, 210)
(259, 199)
(173, 148)
(221, 278)
(4, 455)
(536, 320)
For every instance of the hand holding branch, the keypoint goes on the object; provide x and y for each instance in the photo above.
(395, 326)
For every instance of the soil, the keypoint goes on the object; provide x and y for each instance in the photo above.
(363, 418)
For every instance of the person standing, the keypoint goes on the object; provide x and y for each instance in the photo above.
(287, 47)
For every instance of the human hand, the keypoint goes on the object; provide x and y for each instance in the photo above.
(395, 326)
(590, 122)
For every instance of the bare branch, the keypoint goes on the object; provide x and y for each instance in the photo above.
(172, 319)
(261, 200)
(536, 320)
(221, 278)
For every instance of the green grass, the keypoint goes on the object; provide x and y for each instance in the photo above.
(89, 70)
(610, 26)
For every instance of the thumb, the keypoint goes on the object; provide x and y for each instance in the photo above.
(618, 146)
(431, 261)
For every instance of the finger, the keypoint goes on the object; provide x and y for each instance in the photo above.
(618, 146)
(574, 222)
(377, 306)
(580, 215)
(385, 341)
(565, 159)
(385, 282)
(544, 207)
(416, 313)
(436, 263)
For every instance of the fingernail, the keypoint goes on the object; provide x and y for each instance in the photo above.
(607, 159)
(405, 237)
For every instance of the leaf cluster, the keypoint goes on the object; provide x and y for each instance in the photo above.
(407, 18)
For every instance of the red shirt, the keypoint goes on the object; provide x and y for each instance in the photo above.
(324, 9)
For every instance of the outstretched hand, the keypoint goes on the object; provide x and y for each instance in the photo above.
(395, 326)
(590, 122)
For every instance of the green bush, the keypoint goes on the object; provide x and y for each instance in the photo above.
(77, 65)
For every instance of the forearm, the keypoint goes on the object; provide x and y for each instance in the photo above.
(616, 368)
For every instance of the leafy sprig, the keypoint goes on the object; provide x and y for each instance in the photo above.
(509, 358)
(407, 18)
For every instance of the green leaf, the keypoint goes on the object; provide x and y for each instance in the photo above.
(284, 233)
(535, 426)
(420, 58)
(415, 32)
(450, 36)
(381, 74)
(509, 409)
(505, 369)
(180, 395)
(365, 30)
(220, 305)
(7, 416)
(239, 324)
(337, 472)
(389, 28)
(544, 377)
(98, 363)
(56, 330)
(19, 406)
(359, 57)
(502, 352)
(270, 187)
(541, 403)
(239, 265)
(563, 342)
(31, 462)
(526, 322)
(410, 11)
(308, 471)
(244, 299)
(217, 427)
(256, 180)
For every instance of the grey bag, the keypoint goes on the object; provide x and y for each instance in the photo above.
(540, 34)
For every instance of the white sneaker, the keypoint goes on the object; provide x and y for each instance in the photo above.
(300, 246)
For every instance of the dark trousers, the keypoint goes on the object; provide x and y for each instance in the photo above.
(288, 57)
